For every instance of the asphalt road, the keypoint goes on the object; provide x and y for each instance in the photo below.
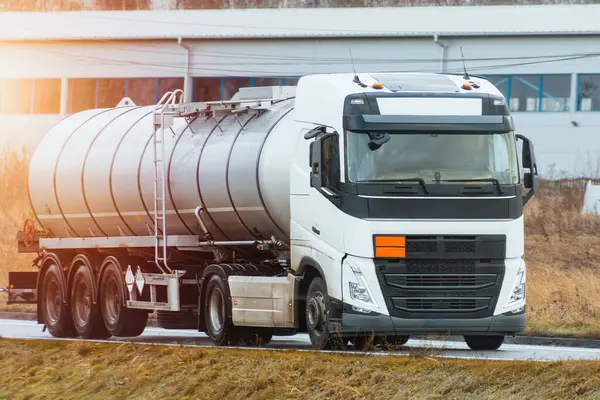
(14, 329)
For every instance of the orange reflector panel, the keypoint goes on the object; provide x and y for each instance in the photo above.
(390, 241)
(390, 252)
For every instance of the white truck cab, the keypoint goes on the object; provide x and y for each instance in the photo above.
(412, 209)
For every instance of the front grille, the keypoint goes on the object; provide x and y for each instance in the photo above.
(441, 304)
(455, 247)
(440, 266)
(440, 288)
(439, 281)
(421, 247)
(459, 247)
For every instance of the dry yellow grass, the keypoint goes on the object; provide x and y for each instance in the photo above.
(79, 370)
(562, 251)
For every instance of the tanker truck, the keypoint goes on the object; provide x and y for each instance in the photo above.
(352, 207)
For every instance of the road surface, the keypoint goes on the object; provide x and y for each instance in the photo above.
(15, 329)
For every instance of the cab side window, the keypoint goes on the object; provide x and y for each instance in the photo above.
(330, 163)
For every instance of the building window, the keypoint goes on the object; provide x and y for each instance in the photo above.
(85, 94)
(165, 85)
(230, 86)
(535, 92)
(46, 96)
(267, 82)
(142, 91)
(30, 96)
(110, 92)
(82, 95)
(588, 92)
(207, 89)
(291, 81)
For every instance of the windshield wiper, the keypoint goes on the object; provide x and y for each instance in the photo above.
(418, 180)
(493, 180)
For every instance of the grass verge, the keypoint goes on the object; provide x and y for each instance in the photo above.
(76, 370)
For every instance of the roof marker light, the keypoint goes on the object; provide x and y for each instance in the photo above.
(357, 101)
(467, 86)
(377, 85)
(499, 102)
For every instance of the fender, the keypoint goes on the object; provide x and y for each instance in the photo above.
(114, 260)
(49, 259)
(307, 261)
(83, 259)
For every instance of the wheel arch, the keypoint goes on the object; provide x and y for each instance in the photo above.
(308, 269)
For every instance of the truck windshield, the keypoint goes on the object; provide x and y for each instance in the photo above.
(432, 157)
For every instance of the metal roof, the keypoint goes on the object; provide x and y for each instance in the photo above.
(302, 23)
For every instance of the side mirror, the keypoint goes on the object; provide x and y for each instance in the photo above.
(530, 179)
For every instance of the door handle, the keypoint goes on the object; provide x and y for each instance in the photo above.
(315, 230)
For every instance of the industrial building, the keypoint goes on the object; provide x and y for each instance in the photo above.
(545, 59)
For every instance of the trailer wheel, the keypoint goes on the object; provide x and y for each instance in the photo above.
(119, 320)
(56, 314)
(85, 311)
(217, 314)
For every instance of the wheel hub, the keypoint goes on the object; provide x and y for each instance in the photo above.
(316, 313)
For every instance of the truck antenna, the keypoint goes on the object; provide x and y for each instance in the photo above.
(466, 75)
(356, 78)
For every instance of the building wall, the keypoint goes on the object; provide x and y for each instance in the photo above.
(541, 77)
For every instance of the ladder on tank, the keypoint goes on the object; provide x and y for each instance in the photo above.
(164, 114)
(163, 119)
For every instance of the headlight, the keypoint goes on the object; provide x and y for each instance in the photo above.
(360, 290)
(518, 291)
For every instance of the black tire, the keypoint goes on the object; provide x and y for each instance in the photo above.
(85, 310)
(217, 314)
(317, 320)
(119, 320)
(484, 342)
(56, 314)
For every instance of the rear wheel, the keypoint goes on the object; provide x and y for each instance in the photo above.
(85, 310)
(119, 320)
(56, 314)
(484, 342)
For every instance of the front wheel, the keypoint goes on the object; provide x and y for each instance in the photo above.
(484, 342)
(317, 317)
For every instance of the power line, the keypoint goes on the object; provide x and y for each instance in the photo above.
(220, 71)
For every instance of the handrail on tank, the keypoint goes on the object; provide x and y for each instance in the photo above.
(169, 98)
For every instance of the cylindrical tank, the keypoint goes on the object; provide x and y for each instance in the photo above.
(93, 174)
